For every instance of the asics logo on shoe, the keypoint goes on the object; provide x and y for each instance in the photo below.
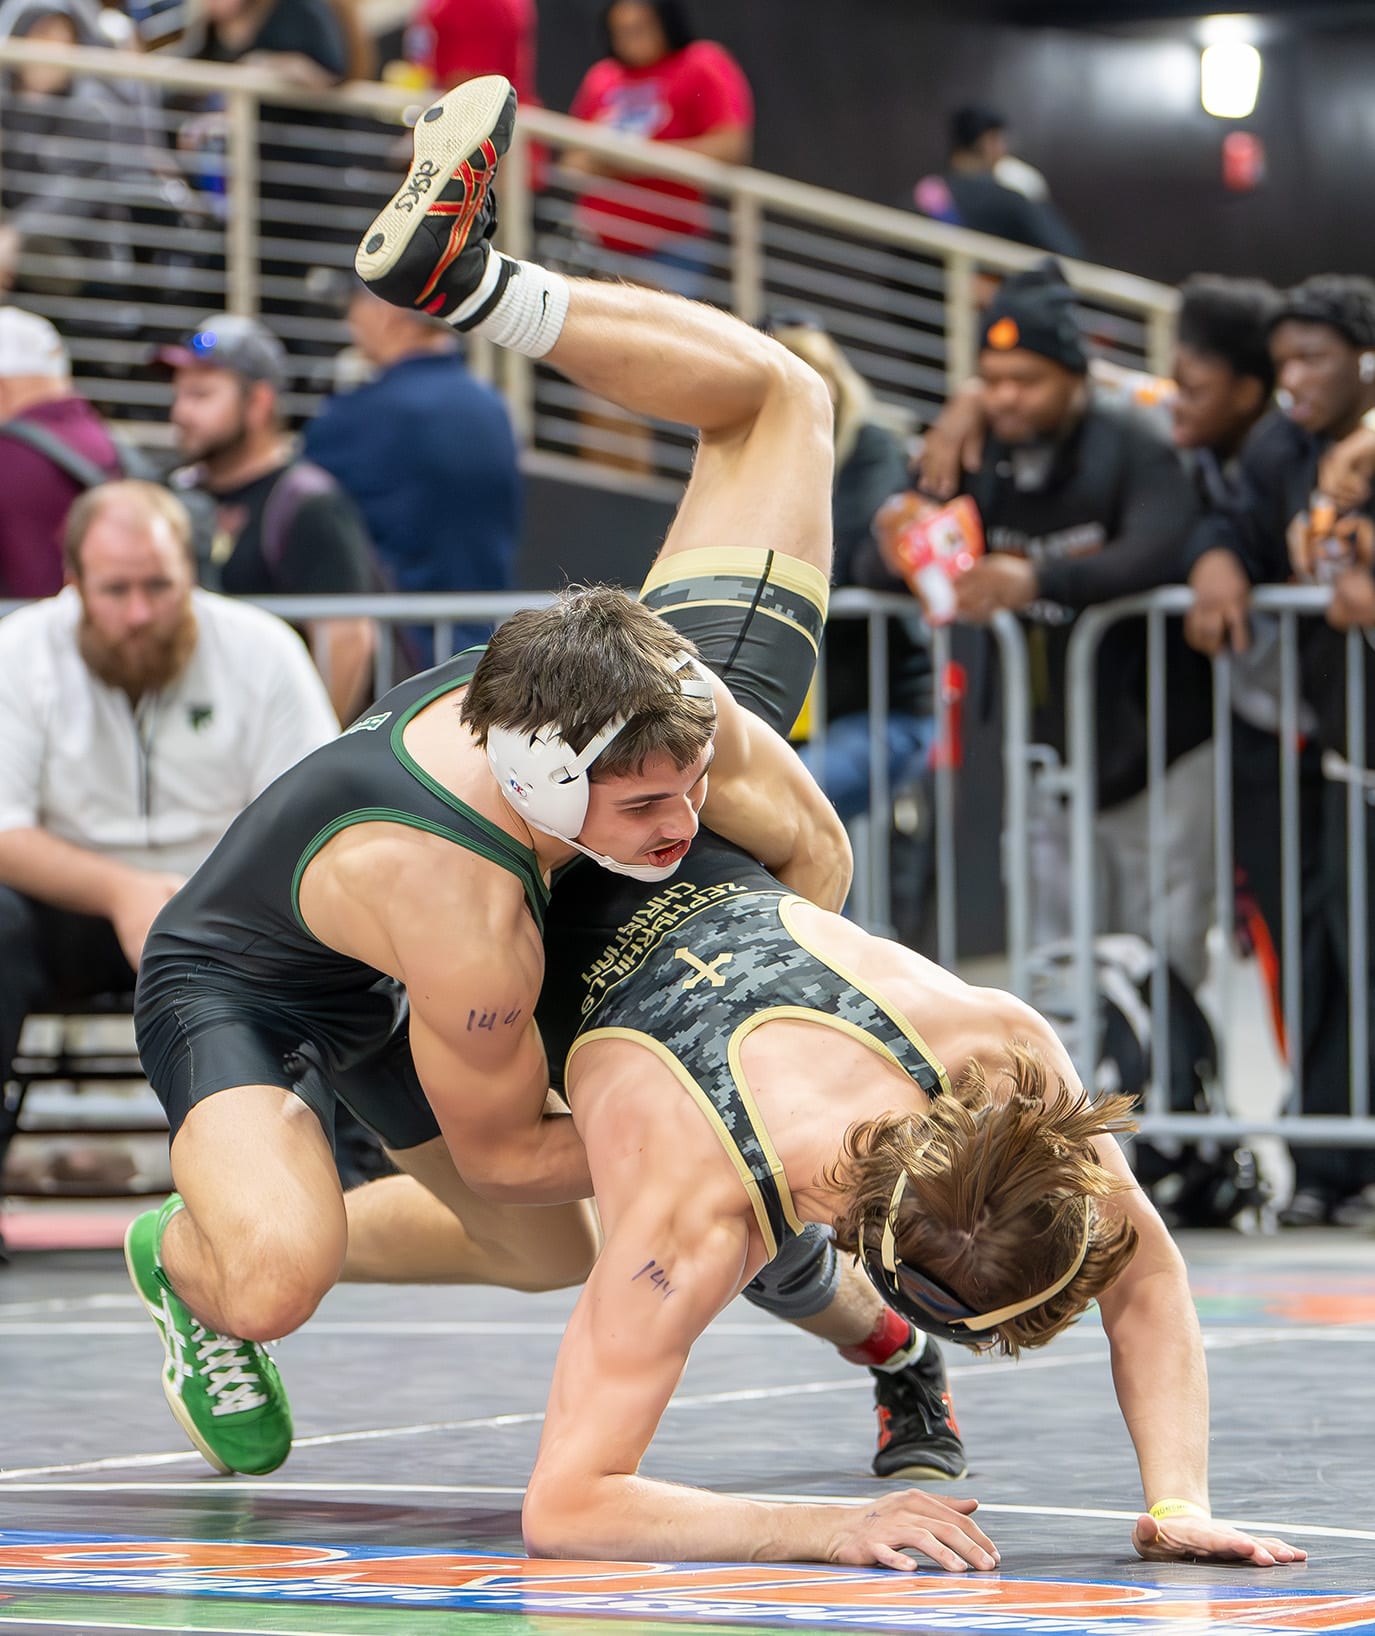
(418, 183)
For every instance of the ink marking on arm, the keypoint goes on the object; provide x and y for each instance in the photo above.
(658, 1276)
(489, 1019)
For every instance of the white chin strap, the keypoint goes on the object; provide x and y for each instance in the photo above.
(525, 777)
(636, 871)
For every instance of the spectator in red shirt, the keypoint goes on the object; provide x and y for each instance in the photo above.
(39, 411)
(660, 83)
(450, 41)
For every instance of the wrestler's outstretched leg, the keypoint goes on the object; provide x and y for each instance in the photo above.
(763, 416)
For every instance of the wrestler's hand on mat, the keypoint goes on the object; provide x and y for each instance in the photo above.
(1204, 1539)
(885, 1531)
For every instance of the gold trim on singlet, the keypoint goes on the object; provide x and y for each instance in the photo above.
(722, 602)
(713, 1117)
(747, 561)
(785, 914)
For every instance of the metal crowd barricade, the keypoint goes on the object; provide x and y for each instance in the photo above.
(870, 904)
(1290, 605)
(870, 901)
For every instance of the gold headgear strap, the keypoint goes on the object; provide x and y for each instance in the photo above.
(986, 1320)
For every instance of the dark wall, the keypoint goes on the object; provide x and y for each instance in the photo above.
(575, 533)
(1113, 119)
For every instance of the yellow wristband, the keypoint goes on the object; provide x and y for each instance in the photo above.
(1176, 1508)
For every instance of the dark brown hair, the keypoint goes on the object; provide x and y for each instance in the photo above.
(593, 654)
(999, 1179)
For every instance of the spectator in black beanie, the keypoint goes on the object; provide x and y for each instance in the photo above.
(1083, 502)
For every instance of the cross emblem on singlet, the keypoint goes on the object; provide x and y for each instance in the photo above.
(700, 969)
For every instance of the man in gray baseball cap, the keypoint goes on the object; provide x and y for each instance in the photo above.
(285, 526)
(228, 340)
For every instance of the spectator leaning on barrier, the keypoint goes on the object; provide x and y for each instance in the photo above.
(45, 428)
(287, 528)
(659, 82)
(138, 717)
(870, 465)
(1280, 529)
(1084, 502)
(428, 454)
(1224, 378)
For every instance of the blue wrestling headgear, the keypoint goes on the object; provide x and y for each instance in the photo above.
(928, 1303)
(547, 782)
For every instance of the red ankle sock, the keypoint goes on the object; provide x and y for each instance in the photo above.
(890, 1336)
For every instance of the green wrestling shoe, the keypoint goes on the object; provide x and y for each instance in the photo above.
(226, 1393)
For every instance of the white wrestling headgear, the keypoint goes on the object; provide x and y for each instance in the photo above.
(547, 783)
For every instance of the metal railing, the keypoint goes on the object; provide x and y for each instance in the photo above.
(241, 191)
(1023, 763)
(1290, 605)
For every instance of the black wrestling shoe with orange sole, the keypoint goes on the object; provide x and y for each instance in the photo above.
(917, 1433)
(428, 248)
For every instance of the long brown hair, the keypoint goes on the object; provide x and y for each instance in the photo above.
(999, 1179)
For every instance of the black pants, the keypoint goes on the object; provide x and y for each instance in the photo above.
(1338, 1172)
(1322, 1047)
(50, 958)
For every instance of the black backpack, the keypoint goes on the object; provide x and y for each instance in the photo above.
(1207, 1183)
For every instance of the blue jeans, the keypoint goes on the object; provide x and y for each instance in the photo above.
(843, 770)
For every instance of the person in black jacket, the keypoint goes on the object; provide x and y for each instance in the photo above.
(1084, 502)
(870, 466)
(1281, 528)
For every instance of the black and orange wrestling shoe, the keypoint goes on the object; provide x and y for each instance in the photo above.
(428, 248)
(917, 1433)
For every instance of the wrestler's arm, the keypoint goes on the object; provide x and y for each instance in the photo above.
(1158, 1367)
(762, 798)
(481, 1061)
(650, 1295)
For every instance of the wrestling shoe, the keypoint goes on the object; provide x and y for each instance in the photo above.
(428, 247)
(917, 1434)
(225, 1393)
